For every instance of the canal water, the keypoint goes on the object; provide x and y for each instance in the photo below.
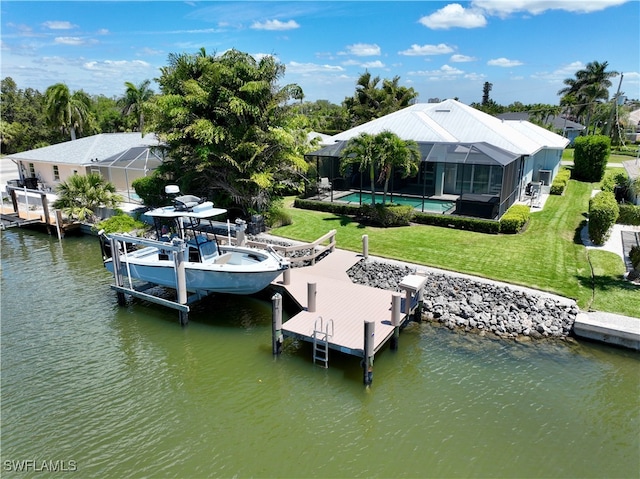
(114, 391)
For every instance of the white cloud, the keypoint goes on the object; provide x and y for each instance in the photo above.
(454, 15)
(462, 58)
(504, 8)
(275, 25)
(103, 31)
(115, 65)
(421, 50)
(445, 71)
(504, 62)
(375, 64)
(362, 50)
(70, 41)
(307, 68)
(59, 25)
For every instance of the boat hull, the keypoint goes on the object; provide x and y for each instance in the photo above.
(241, 278)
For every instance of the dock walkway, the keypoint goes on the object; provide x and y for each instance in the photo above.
(339, 300)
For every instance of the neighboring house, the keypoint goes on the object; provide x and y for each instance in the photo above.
(119, 157)
(559, 124)
(465, 152)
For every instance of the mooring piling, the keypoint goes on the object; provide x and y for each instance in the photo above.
(396, 300)
(367, 361)
(276, 323)
(311, 297)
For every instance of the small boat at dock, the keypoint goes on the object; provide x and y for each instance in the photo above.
(210, 267)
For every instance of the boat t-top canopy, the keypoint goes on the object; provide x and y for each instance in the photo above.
(188, 206)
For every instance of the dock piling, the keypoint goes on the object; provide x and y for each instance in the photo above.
(367, 363)
(396, 300)
(276, 323)
(365, 246)
(311, 297)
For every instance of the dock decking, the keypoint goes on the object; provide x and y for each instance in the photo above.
(339, 300)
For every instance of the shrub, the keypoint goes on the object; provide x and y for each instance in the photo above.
(629, 214)
(603, 213)
(634, 255)
(150, 189)
(560, 182)
(590, 157)
(387, 215)
(276, 215)
(515, 219)
(121, 223)
(458, 222)
(335, 208)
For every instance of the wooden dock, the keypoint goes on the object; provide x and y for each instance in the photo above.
(35, 212)
(346, 304)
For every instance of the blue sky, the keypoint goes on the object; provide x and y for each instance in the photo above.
(525, 48)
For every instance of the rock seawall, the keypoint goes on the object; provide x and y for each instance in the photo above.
(461, 303)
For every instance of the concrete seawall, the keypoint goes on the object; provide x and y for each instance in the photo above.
(608, 328)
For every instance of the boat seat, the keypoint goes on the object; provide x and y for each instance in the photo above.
(223, 258)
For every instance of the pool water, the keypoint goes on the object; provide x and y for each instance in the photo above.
(430, 206)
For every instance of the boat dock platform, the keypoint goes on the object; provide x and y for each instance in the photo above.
(340, 315)
(30, 208)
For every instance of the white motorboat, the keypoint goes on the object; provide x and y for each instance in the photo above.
(209, 265)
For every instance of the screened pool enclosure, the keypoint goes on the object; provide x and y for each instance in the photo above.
(464, 172)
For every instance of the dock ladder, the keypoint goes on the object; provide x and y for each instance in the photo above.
(321, 335)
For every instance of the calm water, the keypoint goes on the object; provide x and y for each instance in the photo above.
(431, 206)
(125, 392)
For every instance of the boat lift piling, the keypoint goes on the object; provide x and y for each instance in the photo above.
(178, 248)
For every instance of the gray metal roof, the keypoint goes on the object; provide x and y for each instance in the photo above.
(88, 150)
(453, 122)
(556, 122)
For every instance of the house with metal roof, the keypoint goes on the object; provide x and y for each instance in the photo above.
(559, 124)
(119, 157)
(466, 155)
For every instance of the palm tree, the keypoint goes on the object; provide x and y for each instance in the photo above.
(134, 100)
(361, 150)
(590, 86)
(81, 195)
(67, 111)
(395, 153)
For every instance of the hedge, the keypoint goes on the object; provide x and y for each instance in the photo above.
(634, 255)
(458, 222)
(514, 220)
(603, 213)
(590, 157)
(560, 182)
(387, 215)
(434, 219)
(629, 214)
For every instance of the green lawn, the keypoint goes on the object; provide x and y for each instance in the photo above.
(547, 256)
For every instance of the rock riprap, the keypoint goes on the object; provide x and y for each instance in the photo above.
(462, 303)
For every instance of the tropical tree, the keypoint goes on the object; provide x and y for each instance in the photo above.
(361, 150)
(395, 154)
(134, 100)
(81, 195)
(589, 87)
(372, 101)
(67, 111)
(223, 120)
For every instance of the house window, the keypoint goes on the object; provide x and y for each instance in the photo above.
(32, 170)
(56, 173)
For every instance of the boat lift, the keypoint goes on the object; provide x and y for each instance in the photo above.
(177, 247)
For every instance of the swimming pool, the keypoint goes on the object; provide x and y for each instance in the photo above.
(430, 206)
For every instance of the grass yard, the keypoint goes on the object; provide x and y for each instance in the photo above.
(547, 256)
